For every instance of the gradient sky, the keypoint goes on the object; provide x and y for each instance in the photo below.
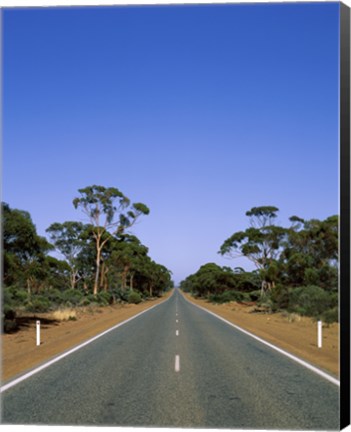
(200, 112)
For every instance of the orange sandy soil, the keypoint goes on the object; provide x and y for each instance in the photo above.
(19, 350)
(295, 334)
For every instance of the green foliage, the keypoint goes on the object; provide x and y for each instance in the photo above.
(107, 209)
(72, 297)
(54, 295)
(228, 296)
(212, 281)
(254, 295)
(67, 238)
(39, 303)
(280, 297)
(261, 243)
(331, 315)
(24, 251)
(134, 297)
(103, 298)
(311, 301)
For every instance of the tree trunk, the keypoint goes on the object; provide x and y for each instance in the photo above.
(131, 281)
(29, 288)
(105, 286)
(97, 274)
(102, 275)
(73, 278)
(124, 276)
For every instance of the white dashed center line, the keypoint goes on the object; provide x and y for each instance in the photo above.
(177, 364)
(177, 332)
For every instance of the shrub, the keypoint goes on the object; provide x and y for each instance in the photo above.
(280, 297)
(310, 300)
(134, 297)
(85, 301)
(9, 323)
(331, 315)
(72, 297)
(228, 296)
(20, 296)
(254, 295)
(7, 297)
(103, 298)
(14, 296)
(54, 295)
(39, 303)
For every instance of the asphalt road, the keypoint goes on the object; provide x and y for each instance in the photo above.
(175, 366)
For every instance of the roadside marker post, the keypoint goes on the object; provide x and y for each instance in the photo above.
(38, 333)
(319, 337)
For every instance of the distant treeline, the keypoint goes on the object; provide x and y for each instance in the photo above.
(102, 262)
(296, 267)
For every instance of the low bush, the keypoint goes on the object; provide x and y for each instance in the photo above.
(103, 298)
(119, 295)
(228, 296)
(331, 315)
(279, 297)
(134, 297)
(39, 303)
(254, 295)
(72, 297)
(55, 296)
(311, 301)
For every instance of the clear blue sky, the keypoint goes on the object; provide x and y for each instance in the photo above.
(200, 112)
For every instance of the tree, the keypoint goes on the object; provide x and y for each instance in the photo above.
(210, 279)
(156, 277)
(261, 243)
(310, 253)
(110, 212)
(125, 255)
(24, 250)
(67, 238)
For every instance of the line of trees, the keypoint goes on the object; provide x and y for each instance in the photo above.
(296, 267)
(102, 261)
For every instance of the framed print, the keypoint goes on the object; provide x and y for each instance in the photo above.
(176, 215)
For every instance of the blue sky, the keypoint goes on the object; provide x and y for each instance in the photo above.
(200, 112)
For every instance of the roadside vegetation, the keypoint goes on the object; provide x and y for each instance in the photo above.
(296, 267)
(102, 262)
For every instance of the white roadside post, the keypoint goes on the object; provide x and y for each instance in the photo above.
(38, 333)
(319, 324)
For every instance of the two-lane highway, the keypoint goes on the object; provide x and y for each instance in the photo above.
(175, 365)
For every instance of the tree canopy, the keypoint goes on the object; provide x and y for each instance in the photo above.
(110, 212)
(101, 261)
(296, 266)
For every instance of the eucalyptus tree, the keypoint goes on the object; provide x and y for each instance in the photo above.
(131, 254)
(67, 238)
(109, 212)
(25, 252)
(261, 243)
(310, 254)
(151, 278)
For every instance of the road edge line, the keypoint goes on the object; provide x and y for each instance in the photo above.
(59, 357)
(274, 347)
